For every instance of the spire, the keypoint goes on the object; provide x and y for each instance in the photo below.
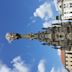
(41, 36)
(58, 36)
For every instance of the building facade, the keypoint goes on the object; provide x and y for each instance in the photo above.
(65, 8)
(68, 60)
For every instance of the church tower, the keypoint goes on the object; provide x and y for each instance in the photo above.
(58, 35)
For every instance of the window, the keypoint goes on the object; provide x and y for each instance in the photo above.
(66, 64)
(65, 12)
(71, 65)
(70, 4)
(60, 6)
(64, 6)
(66, 60)
(70, 57)
(70, 61)
(66, 56)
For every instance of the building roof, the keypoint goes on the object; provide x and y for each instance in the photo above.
(62, 56)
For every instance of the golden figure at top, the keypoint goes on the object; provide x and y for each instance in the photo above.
(11, 36)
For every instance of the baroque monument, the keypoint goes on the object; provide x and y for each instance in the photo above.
(58, 35)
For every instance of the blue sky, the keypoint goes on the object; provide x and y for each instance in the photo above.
(29, 55)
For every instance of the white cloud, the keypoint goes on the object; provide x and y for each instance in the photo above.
(18, 66)
(61, 69)
(41, 66)
(56, 5)
(46, 24)
(52, 70)
(44, 11)
(64, 70)
(59, 52)
(4, 68)
(33, 21)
